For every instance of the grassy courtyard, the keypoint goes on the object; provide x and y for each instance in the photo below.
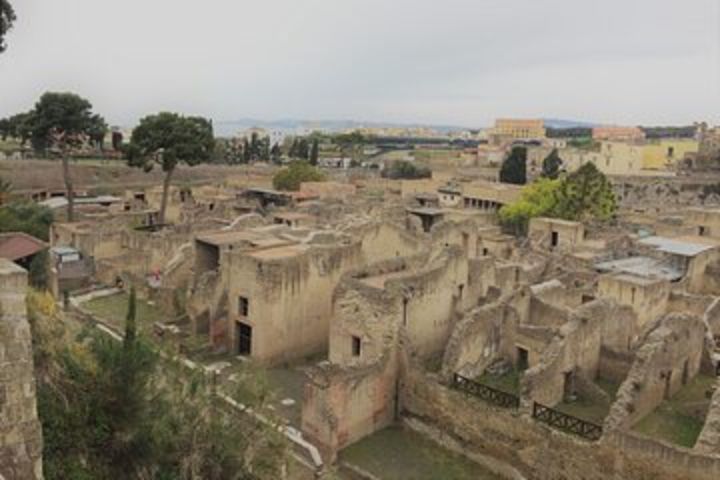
(113, 309)
(591, 410)
(396, 453)
(509, 382)
(680, 419)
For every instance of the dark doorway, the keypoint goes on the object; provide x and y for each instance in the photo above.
(685, 373)
(356, 346)
(587, 298)
(569, 389)
(668, 383)
(244, 338)
(523, 359)
(554, 239)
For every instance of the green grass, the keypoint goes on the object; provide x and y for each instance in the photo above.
(680, 419)
(508, 382)
(399, 454)
(113, 309)
(588, 409)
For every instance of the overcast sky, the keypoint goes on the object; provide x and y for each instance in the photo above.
(436, 61)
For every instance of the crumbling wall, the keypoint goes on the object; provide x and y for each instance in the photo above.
(20, 434)
(515, 442)
(669, 357)
(574, 351)
(484, 335)
(703, 274)
(709, 440)
(343, 405)
(381, 241)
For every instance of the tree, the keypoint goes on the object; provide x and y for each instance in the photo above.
(314, 152)
(7, 18)
(29, 218)
(585, 194)
(130, 324)
(514, 168)
(536, 200)
(62, 122)
(108, 411)
(551, 165)
(264, 149)
(290, 177)
(169, 139)
(403, 169)
(276, 154)
(349, 142)
(299, 148)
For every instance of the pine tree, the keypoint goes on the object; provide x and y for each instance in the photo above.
(514, 168)
(551, 165)
(130, 322)
(314, 152)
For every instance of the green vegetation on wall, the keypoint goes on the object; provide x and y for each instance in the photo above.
(585, 194)
(290, 177)
(403, 169)
(108, 411)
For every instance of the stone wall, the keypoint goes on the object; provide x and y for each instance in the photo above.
(520, 448)
(482, 336)
(20, 434)
(669, 357)
(709, 440)
(575, 351)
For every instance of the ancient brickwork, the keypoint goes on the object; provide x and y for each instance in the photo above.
(518, 447)
(20, 435)
(668, 358)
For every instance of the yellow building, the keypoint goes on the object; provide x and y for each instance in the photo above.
(618, 158)
(519, 129)
(666, 153)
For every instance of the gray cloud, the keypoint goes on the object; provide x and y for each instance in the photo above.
(445, 61)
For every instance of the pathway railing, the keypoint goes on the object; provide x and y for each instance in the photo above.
(484, 392)
(568, 423)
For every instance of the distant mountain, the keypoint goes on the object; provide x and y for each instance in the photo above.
(289, 125)
(560, 123)
(228, 127)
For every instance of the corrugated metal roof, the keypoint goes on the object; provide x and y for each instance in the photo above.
(641, 266)
(676, 246)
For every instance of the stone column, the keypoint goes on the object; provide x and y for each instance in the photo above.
(20, 434)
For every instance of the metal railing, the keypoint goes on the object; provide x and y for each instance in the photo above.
(484, 392)
(567, 423)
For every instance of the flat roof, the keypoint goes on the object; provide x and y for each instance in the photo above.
(642, 267)
(292, 215)
(59, 202)
(267, 191)
(227, 238)
(684, 246)
(559, 221)
(426, 211)
(63, 250)
(637, 279)
(378, 281)
(278, 253)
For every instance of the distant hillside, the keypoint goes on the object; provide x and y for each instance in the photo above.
(227, 127)
(560, 123)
